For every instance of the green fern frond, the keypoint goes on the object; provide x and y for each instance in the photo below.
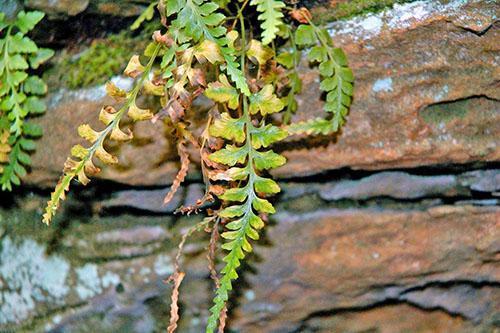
(336, 76)
(244, 203)
(19, 96)
(271, 17)
(316, 126)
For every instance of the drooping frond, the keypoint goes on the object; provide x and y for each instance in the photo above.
(247, 157)
(19, 95)
(81, 162)
(336, 76)
(271, 18)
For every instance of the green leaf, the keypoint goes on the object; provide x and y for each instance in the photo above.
(235, 194)
(304, 35)
(17, 77)
(328, 84)
(265, 101)
(222, 92)
(32, 130)
(232, 211)
(229, 128)
(266, 135)
(17, 62)
(230, 156)
(40, 57)
(146, 15)
(285, 59)
(318, 54)
(271, 17)
(24, 158)
(35, 85)
(34, 105)
(22, 44)
(27, 144)
(263, 206)
(339, 56)
(326, 68)
(27, 21)
(314, 126)
(268, 160)
(266, 185)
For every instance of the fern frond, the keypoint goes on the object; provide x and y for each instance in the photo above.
(19, 94)
(271, 17)
(182, 173)
(336, 76)
(316, 126)
(197, 19)
(111, 118)
(246, 201)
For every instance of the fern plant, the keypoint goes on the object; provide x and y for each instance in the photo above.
(253, 89)
(19, 95)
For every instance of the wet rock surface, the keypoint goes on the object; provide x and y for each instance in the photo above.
(391, 226)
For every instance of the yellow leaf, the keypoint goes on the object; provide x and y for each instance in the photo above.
(265, 101)
(134, 67)
(104, 156)
(152, 89)
(137, 114)
(118, 135)
(86, 132)
(107, 115)
(79, 151)
(115, 92)
(259, 52)
(208, 50)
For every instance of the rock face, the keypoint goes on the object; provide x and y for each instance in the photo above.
(62, 8)
(364, 249)
(426, 93)
(353, 263)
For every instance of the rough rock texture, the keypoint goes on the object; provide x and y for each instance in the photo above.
(388, 265)
(426, 93)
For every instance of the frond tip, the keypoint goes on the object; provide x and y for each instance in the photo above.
(271, 17)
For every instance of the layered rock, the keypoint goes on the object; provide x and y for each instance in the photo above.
(426, 93)
(319, 267)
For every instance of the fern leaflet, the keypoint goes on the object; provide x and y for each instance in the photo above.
(271, 17)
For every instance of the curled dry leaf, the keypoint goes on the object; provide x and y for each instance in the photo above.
(176, 279)
(134, 67)
(301, 15)
(181, 175)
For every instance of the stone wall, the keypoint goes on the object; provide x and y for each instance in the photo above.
(391, 226)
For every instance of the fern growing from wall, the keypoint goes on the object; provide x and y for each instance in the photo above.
(20, 93)
(206, 48)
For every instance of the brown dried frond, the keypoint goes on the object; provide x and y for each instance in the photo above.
(178, 275)
(176, 278)
(181, 175)
(301, 15)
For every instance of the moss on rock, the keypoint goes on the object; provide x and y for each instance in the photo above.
(345, 9)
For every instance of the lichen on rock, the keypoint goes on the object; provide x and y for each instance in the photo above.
(28, 277)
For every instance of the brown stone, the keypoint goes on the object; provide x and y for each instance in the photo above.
(426, 93)
(334, 265)
(434, 269)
